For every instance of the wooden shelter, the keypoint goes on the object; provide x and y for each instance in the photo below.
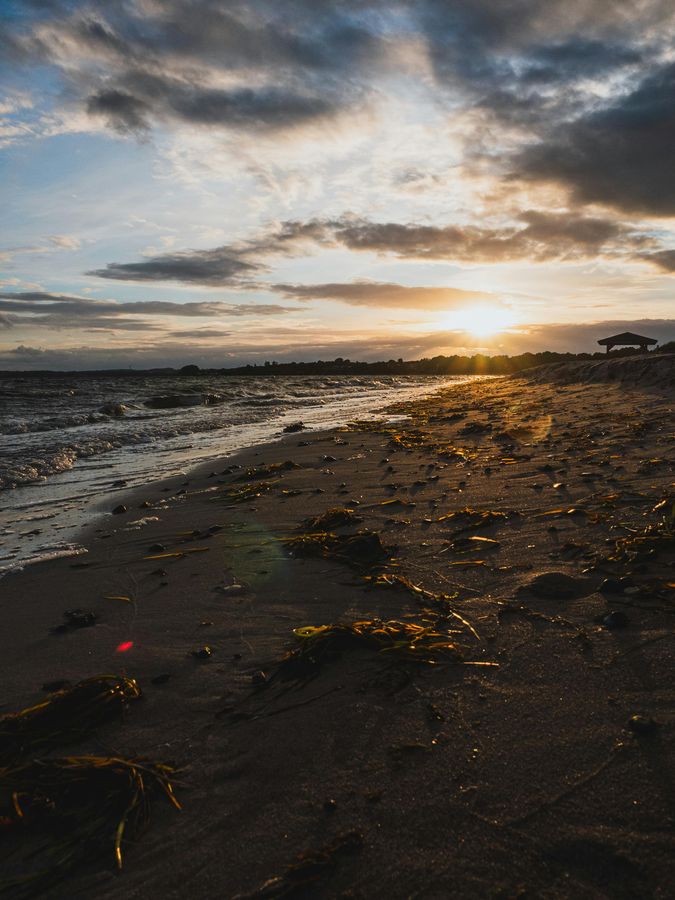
(628, 339)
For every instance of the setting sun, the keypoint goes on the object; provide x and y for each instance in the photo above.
(481, 320)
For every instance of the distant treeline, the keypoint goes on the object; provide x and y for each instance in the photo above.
(436, 365)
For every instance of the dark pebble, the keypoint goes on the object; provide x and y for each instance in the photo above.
(203, 653)
(157, 548)
(643, 725)
(615, 619)
(330, 806)
(259, 678)
(119, 510)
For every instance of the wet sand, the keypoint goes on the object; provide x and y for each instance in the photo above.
(523, 778)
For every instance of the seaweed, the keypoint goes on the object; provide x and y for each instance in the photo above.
(267, 471)
(468, 519)
(362, 550)
(249, 492)
(309, 870)
(335, 517)
(472, 545)
(436, 600)
(67, 715)
(63, 812)
(403, 641)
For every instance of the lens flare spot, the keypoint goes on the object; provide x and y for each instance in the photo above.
(124, 646)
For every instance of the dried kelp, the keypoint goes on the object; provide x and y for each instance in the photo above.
(468, 519)
(249, 492)
(438, 601)
(403, 641)
(60, 813)
(267, 471)
(419, 440)
(362, 550)
(335, 517)
(308, 872)
(68, 715)
(650, 541)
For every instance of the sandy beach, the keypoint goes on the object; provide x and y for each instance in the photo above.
(528, 519)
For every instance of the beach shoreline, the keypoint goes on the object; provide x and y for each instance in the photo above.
(509, 769)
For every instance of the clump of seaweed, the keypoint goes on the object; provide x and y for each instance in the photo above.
(362, 550)
(267, 471)
(67, 715)
(656, 538)
(438, 601)
(468, 519)
(405, 641)
(418, 440)
(65, 811)
(249, 492)
(335, 517)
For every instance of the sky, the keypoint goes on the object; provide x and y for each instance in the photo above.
(232, 181)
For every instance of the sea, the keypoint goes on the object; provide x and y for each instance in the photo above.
(72, 444)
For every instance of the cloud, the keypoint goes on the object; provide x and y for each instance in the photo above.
(664, 259)
(46, 310)
(537, 235)
(65, 241)
(380, 294)
(221, 266)
(620, 155)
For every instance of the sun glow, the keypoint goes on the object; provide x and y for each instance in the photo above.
(481, 320)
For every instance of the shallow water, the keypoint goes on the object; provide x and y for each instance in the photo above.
(70, 443)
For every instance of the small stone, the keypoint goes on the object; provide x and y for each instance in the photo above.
(330, 806)
(559, 485)
(157, 548)
(232, 590)
(259, 678)
(119, 510)
(144, 505)
(615, 619)
(555, 586)
(642, 725)
(203, 653)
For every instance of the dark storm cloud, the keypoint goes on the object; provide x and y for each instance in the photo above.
(165, 98)
(381, 294)
(575, 58)
(123, 112)
(621, 156)
(136, 65)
